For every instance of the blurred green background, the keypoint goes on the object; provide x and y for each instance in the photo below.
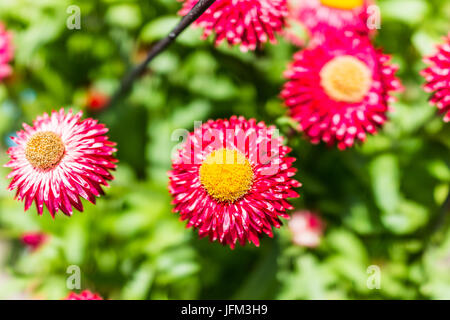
(380, 201)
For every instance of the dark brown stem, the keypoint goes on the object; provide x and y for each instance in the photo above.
(186, 21)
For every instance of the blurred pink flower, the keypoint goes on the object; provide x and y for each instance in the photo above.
(306, 228)
(84, 295)
(60, 159)
(338, 90)
(34, 240)
(247, 23)
(6, 52)
(96, 100)
(323, 16)
(437, 76)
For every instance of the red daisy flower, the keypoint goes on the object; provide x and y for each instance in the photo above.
(6, 52)
(246, 22)
(320, 16)
(59, 159)
(437, 76)
(231, 179)
(306, 228)
(85, 295)
(34, 240)
(338, 90)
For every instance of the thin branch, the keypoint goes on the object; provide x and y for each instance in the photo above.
(186, 21)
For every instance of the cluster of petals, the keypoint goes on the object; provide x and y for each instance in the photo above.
(250, 214)
(307, 228)
(321, 17)
(321, 114)
(59, 159)
(247, 23)
(6, 52)
(437, 76)
(84, 295)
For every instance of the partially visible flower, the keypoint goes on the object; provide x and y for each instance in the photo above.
(34, 240)
(6, 52)
(231, 180)
(338, 90)
(248, 23)
(96, 100)
(437, 76)
(306, 228)
(294, 32)
(60, 159)
(84, 295)
(323, 16)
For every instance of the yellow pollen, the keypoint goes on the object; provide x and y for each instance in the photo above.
(44, 150)
(346, 78)
(226, 175)
(343, 4)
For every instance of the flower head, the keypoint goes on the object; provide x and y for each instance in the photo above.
(6, 52)
(34, 240)
(437, 76)
(231, 179)
(323, 16)
(339, 90)
(84, 295)
(247, 23)
(96, 100)
(306, 228)
(59, 159)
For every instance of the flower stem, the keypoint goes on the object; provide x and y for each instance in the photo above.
(159, 47)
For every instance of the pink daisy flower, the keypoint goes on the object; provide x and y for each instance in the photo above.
(6, 52)
(231, 179)
(320, 16)
(247, 23)
(437, 76)
(84, 295)
(34, 240)
(59, 159)
(338, 90)
(306, 228)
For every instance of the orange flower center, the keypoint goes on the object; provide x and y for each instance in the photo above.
(346, 78)
(44, 150)
(343, 4)
(226, 175)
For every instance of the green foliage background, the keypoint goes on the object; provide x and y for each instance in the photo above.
(381, 201)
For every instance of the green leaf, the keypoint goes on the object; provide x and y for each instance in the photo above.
(124, 15)
(385, 176)
(410, 12)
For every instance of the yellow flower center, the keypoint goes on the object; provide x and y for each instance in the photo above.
(44, 150)
(226, 175)
(346, 78)
(343, 4)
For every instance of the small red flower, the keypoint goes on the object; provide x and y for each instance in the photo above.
(60, 159)
(96, 100)
(231, 179)
(85, 295)
(34, 240)
(6, 52)
(323, 16)
(306, 228)
(248, 23)
(437, 76)
(338, 90)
